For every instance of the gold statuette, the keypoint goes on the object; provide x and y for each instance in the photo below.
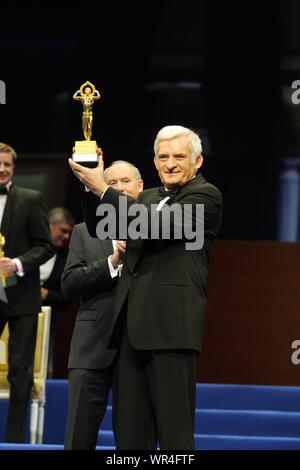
(7, 279)
(86, 150)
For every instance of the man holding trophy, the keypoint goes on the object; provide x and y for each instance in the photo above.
(25, 245)
(157, 322)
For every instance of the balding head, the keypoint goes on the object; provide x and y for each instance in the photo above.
(124, 177)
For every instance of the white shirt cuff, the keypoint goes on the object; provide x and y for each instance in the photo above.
(100, 195)
(113, 271)
(20, 270)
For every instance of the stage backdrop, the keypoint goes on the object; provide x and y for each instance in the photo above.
(253, 314)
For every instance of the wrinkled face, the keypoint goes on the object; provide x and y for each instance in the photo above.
(60, 233)
(6, 168)
(122, 177)
(173, 161)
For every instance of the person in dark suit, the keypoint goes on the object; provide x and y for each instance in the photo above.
(91, 271)
(61, 223)
(161, 297)
(24, 224)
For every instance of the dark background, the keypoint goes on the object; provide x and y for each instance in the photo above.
(218, 67)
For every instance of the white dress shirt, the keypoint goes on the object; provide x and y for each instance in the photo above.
(46, 269)
(114, 272)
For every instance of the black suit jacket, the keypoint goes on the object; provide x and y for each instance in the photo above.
(165, 283)
(87, 274)
(27, 237)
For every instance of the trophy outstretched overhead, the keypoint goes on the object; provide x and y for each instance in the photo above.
(85, 150)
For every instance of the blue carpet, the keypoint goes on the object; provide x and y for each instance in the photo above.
(55, 414)
(228, 417)
(245, 422)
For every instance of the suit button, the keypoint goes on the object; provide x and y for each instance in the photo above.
(135, 274)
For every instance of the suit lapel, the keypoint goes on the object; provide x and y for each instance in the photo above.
(94, 246)
(8, 212)
(199, 179)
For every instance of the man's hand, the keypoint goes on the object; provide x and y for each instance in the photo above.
(117, 257)
(7, 265)
(92, 178)
(44, 294)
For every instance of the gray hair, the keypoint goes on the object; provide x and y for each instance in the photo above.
(170, 132)
(59, 215)
(136, 171)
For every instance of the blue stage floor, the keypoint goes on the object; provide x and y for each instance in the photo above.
(228, 417)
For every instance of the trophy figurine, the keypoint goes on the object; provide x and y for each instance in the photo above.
(7, 279)
(86, 150)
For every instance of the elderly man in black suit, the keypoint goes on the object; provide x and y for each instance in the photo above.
(24, 224)
(161, 296)
(92, 271)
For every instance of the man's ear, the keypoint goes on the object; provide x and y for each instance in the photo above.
(155, 161)
(141, 185)
(199, 161)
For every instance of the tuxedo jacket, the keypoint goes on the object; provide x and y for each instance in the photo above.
(163, 282)
(87, 275)
(27, 237)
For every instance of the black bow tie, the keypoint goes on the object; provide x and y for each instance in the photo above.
(163, 192)
(3, 190)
